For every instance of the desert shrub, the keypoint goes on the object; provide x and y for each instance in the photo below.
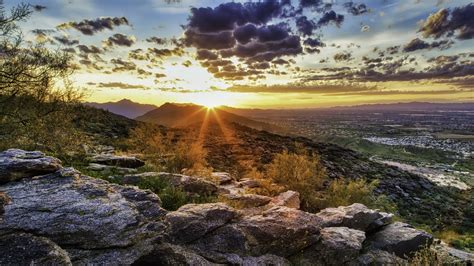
(462, 239)
(168, 152)
(342, 193)
(428, 257)
(299, 171)
(172, 197)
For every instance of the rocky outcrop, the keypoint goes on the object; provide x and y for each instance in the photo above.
(17, 164)
(338, 246)
(400, 239)
(27, 249)
(290, 199)
(116, 160)
(193, 221)
(356, 216)
(63, 217)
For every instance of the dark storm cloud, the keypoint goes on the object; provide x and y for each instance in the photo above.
(66, 40)
(305, 26)
(90, 27)
(459, 23)
(418, 44)
(313, 45)
(206, 55)
(356, 9)
(38, 8)
(119, 40)
(256, 33)
(310, 3)
(225, 16)
(211, 41)
(330, 17)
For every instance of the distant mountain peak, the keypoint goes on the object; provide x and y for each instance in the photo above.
(124, 107)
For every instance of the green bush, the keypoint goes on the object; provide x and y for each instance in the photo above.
(342, 193)
(300, 172)
(172, 197)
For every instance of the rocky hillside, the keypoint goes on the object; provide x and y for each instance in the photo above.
(418, 199)
(55, 215)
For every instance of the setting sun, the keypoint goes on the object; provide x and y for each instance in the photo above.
(212, 99)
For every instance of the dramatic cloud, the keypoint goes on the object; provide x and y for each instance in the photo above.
(121, 65)
(119, 85)
(90, 27)
(66, 41)
(356, 9)
(458, 22)
(343, 57)
(120, 40)
(89, 49)
(302, 88)
(417, 44)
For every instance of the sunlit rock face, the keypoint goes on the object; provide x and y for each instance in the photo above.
(63, 217)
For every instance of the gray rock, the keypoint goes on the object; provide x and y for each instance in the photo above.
(168, 254)
(110, 169)
(116, 160)
(247, 200)
(249, 183)
(338, 246)
(280, 227)
(27, 249)
(265, 260)
(81, 212)
(16, 164)
(401, 239)
(290, 199)
(193, 221)
(222, 177)
(452, 255)
(355, 216)
(226, 244)
(379, 258)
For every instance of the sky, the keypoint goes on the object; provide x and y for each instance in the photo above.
(265, 54)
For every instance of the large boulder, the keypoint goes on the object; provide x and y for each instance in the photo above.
(246, 200)
(16, 164)
(82, 213)
(290, 199)
(401, 239)
(116, 160)
(280, 227)
(355, 216)
(169, 254)
(27, 249)
(380, 257)
(338, 246)
(222, 177)
(193, 221)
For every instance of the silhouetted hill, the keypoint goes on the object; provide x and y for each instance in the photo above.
(184, 115)
(124, 107)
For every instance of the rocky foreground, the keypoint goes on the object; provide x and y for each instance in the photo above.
(55, 215)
